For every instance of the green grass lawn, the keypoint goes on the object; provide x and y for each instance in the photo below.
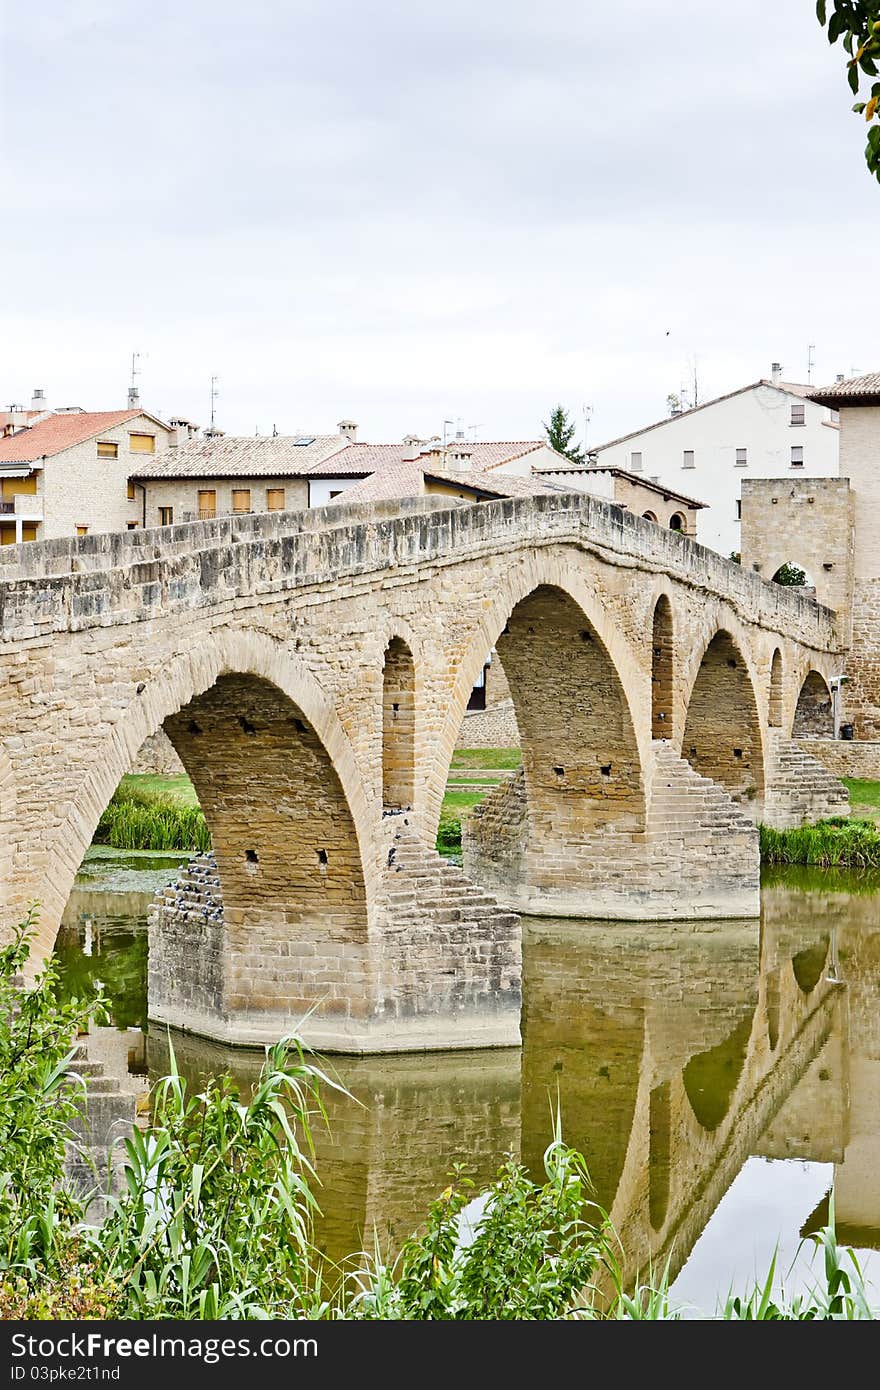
(486, 758)
(862, 793)
(457, 802)
(181, 788)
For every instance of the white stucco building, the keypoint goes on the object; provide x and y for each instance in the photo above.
(768, 429)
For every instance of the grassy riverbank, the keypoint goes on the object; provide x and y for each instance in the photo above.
(153, 817)
(159, 813)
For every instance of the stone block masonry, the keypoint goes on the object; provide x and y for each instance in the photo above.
(312, 672)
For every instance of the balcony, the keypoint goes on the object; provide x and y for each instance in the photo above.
(24, 505)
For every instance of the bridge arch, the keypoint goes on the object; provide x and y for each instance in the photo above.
(398, 726)
(722, 736)
(662, 669)
(578, 609)
(275, 774)
(774, 705)
(813, 715)
(710, 1078)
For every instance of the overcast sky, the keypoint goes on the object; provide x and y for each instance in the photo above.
(409, 210)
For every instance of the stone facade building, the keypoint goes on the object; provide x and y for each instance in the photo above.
(66, 472)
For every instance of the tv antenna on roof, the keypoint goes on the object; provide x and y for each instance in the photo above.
(811, 348)
(133, 398)
(215, 392)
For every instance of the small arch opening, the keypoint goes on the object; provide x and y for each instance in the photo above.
(398, 726)
(775, 704)
(813, 716)
(661, 669)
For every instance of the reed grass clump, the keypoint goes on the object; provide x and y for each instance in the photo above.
(840, 842)
(136, 819)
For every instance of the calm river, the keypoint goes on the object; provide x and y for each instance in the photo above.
(723, 1079)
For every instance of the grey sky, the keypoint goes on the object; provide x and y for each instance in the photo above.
(408, 210)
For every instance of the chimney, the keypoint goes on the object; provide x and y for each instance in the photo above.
(775, 371)
(134, 399)
(39, 399)
(349, 429)
(840, 377)
(18, 417)
(412, 446)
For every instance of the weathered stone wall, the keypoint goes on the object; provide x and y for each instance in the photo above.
(802, 521)
(861, 694)
(846, 757)
(157, 757)
(494, 727)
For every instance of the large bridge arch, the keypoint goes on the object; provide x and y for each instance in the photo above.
(723, 732)
(586, 609)
(277, 695)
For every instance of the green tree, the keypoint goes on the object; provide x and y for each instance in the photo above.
(791, 575)
(857, 23)
(560, 433)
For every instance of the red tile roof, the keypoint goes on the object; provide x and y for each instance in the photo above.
(367, 458)
(856, 390)
(58, 432)
(406, 478)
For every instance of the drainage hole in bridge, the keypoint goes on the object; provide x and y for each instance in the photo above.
(246, 725)
(251, 856)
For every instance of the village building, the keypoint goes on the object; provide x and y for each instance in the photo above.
(67, 472)
(768, 429)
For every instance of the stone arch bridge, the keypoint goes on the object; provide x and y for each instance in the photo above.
(312, 672)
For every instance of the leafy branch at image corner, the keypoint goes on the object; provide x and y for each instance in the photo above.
(857, 24)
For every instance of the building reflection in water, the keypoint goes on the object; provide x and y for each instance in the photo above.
(677, 1052)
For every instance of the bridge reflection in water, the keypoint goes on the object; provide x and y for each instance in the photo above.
(678, 1052)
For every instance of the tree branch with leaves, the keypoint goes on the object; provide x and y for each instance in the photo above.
(857, 23)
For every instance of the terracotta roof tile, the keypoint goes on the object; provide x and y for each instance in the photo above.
(59, 432)
(406, 478)
(231, 456)
(854, 389)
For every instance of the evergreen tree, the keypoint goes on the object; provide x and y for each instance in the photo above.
(560, 433)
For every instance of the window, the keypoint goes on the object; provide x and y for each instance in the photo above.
(142, 443)
(131, 492)
(688, 459)
(132, 525)
(336, 493)
(241, 499)
(739, 509)
(742, 458)
(635, 462)
(166, 516)
(649, 516)
(274, 499)
(108, 449)
(797, 456)
(798, 414)
(677, 522)
(82, 530)
(207, 503)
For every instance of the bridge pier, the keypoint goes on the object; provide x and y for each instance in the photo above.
(696, 858)
(439, 968)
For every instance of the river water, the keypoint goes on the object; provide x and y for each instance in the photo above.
(722, 1079)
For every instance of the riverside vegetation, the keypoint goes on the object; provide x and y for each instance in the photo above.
(156, 813)
(214, 1219)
